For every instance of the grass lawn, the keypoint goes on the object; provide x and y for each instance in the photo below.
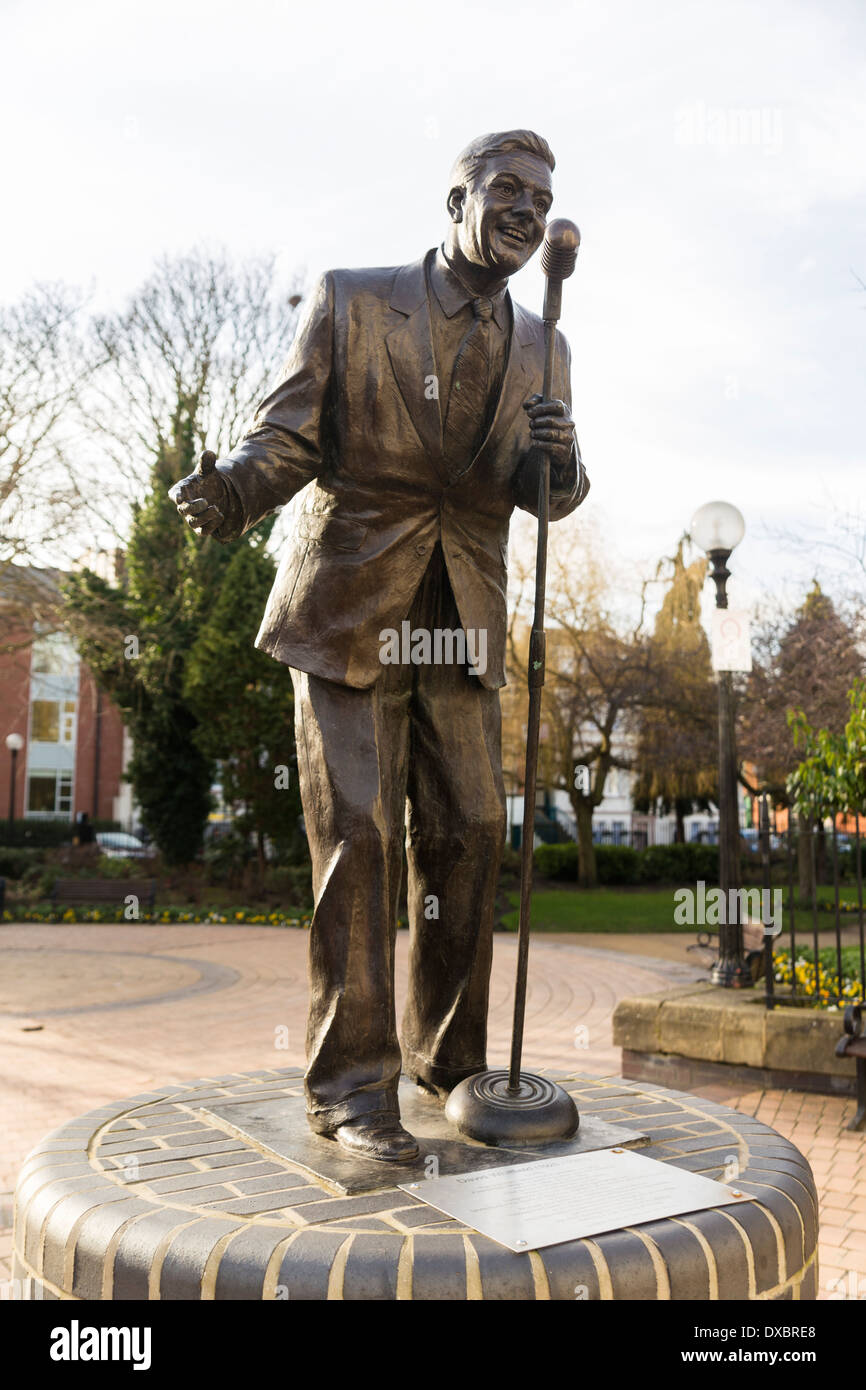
(630, 910)
(600, 909)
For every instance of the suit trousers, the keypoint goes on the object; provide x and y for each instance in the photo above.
(417, 758)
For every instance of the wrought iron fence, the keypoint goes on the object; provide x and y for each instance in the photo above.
(836, 974)
(652, 833)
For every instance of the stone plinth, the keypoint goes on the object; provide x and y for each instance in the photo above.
(691, 1034)
(147, 1199)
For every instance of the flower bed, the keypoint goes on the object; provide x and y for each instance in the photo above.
(111, 913)
(826, 992)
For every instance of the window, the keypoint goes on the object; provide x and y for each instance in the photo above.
(69, 721)
(49, 793)
(54, 655)
(45, 721)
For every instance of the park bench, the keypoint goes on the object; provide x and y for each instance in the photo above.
(68, 891)
(853, 1044)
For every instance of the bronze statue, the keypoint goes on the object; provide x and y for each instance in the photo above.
(408, 409)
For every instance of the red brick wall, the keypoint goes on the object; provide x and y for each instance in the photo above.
(14, 708)
(98, 804)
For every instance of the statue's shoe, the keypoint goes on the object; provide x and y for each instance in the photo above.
(380, 1136)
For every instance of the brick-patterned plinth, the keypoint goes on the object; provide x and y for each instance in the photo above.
(145, 1200)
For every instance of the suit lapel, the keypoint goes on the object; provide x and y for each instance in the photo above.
(410, 350)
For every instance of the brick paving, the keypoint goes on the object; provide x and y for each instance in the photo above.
(90, 1014)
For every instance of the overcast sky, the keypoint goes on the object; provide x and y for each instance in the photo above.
(713, 155)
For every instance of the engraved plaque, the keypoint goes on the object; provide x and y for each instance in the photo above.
(530, 1205)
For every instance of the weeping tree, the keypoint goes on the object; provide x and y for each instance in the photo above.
(677, 753)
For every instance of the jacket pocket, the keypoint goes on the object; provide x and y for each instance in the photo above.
(333, 531)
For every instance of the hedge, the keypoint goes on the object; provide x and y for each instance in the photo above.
(680, 863)
(622, 866)
(45, 833)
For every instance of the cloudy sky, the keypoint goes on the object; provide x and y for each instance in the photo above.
(713, 155)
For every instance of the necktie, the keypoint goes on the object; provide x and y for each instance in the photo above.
(470, 386)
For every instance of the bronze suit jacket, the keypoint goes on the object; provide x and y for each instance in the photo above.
(356, 415)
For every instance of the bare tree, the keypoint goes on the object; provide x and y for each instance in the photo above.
(597, 673)
(43, 364)
(810, 662)
(190, 356)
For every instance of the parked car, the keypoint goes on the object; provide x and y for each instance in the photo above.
(116, 844)
(751, 840)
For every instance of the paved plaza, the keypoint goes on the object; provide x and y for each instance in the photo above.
(90, 1014)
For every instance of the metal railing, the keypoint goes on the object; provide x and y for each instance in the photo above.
(653, 833)
(836, 974)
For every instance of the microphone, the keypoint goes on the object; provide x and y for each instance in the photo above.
(558, 259)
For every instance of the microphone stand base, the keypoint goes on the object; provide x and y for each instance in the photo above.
(540, 1112)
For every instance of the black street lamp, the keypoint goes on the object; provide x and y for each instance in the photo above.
(717, 528)
(14, 742)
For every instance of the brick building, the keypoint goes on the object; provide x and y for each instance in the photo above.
(75, 744)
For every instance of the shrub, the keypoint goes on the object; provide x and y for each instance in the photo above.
(680, 863)
(227, 857)
(14, 863)
(511, 859)
(292, 883)
(557, 861)
(618, 864)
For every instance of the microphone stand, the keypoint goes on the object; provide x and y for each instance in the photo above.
(515, 1107)
(535, 680)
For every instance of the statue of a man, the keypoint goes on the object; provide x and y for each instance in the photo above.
(409, 411)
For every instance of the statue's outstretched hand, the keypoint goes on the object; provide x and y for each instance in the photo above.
(201, 498)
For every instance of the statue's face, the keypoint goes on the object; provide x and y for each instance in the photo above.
(499, 218)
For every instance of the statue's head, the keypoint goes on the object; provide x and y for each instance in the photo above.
(499, 199)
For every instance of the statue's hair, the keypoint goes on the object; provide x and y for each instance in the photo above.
(470, 160)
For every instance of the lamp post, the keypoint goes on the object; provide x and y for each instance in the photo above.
(14, 742)
(717, 528)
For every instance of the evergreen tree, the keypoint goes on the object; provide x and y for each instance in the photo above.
(243, 700)
(136, 637)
